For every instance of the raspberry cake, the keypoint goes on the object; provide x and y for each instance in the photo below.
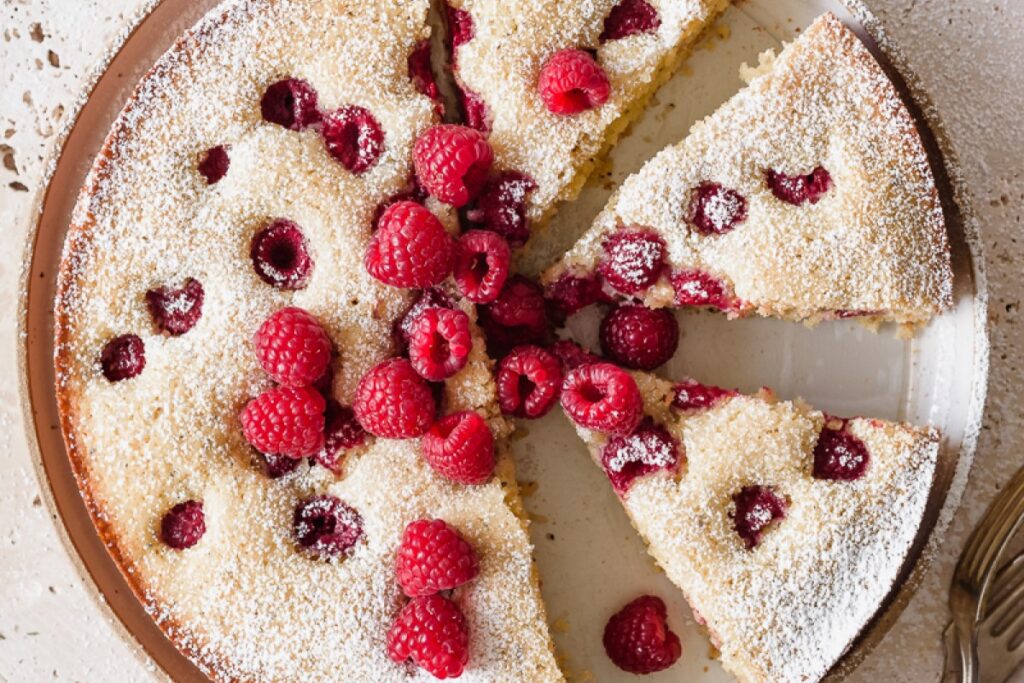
(785, 527)
(807, 196)
(554, 84)
(225, 334)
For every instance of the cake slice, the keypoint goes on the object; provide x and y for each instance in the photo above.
(554, 84)
(807, 196)
(785, 528)
(243, 181)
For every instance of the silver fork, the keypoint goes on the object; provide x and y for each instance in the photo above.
(969, 592)
(1001, 634)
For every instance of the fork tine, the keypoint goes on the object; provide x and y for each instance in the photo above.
(995, 529)
(1008, 603)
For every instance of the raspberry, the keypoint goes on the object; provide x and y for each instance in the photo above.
(528, 379)
(648, 449)
(572, 355)
(757, 507)
(326, 526)
(341, 432)
(214, 164)
(602, 397)
(797, 189)
(474, 109)
(431, 631)
(176, 311)
(637, 637)
(291, 103)
(183, 525)
(570, 293)
(517, 316)
(501, 206)
(639, 337)
(460, 447)
(838, 454)
(633, 260)
(434, 557)
(410, 248)
(439, 343)
(353, 137)
(123, 357)
(420, 73)
(481, 265)
(715, 210)
(696, 288)
(277, 466)
(692, 395)
(285, 421)
(292, 347)
(394, 402)
(460, 29)
(280, 255)
(452, 162)
(630, 17)
(428, 298)
(571, 82)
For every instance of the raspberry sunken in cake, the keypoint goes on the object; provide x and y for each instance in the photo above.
(240, 229)
(807, 196)
(786, 528)
(554, 84)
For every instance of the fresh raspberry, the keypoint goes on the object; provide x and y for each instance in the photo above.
(570, 293)
(633, 260)
(637, 637)
(528, 379)
(434, 557)
(432, 631)
(214, 164)
(715, 210)
(571, 82)
(460, 447)
(440, 343)
(797, 189)
(460, 30)
(648, 449)
(291, 103)
(277, 466)
(572, 355)
(628, 18)
(341, 432)
(326, 526)
(474, 110)
(692, 395)
(280, 255)
(292, 347)
(838, 454)
(428, 298)
(176, 311)
(410, 248)
(413, 192)
(452, 162)
(639, 337)
(697, 288)
(603, 397)
(183, 525)
(394, 402)
(285, 421)
(482, 261)
(517, 316)
(501, 206)
(757, 507)
(420, 72)
(353, 137)
(123, 357)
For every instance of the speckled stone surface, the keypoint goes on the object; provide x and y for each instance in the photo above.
(967, 55)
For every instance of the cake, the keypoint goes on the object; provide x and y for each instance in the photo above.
(554, 84)
(784, 527)
(236, 194)
(807, 196)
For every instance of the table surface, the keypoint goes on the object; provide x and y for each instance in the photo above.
(967, 53)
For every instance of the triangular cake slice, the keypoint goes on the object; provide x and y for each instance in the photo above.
(807, 196)
(244, 176)
(785, 528)
(622, 50)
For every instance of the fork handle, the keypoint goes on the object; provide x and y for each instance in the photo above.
(961, 656)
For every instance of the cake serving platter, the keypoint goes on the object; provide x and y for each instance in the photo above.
(590, 560)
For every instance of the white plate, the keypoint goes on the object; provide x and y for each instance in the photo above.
(590, 559)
